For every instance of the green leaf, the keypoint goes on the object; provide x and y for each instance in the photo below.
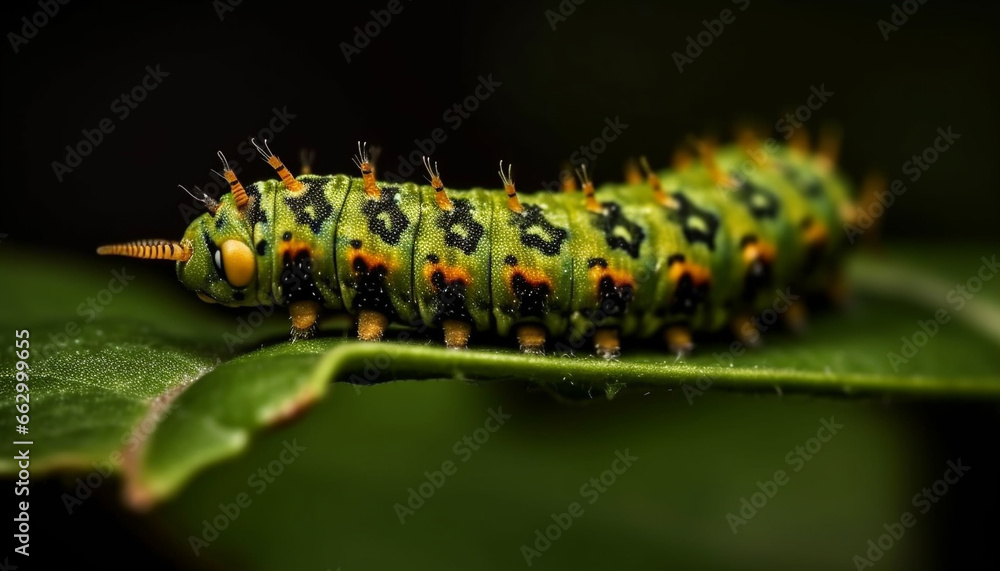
(161, 386)
(344, 501)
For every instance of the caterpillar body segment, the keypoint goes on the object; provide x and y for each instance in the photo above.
(452, 261)
(668, 254)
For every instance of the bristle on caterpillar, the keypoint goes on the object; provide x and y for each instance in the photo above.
(588, 190)
(207, 201)
(240, 197)
(434, 177)
(364, 163)
(567, 181)
(508, 187)
(306, 159)
(631, 171)
(279, 167)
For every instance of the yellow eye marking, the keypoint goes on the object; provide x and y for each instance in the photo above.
(239, 262)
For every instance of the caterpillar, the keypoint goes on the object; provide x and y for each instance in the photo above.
(689, 249)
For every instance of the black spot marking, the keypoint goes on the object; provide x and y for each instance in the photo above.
(759, 276)
(510, 260)
(385, 218)
(530, 298)
(256, 213)
(356, 244)
(593, 262)
(371, 290)
(460, 217)
(238, 295)
(221, 221)
(810, 186)
(674, 258)
(261, 247)
(532, 217)
(687, 296)
(310, 206)
(287, 236)
(761, 203)
(296, 279)
(215, 256)
(612, 220)
(433, 258)
(814, 189)
(814, 258)
(613, 300)
(449, 299)
(695, 232)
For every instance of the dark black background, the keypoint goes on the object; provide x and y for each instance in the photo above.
(606, 60)
(610, 59)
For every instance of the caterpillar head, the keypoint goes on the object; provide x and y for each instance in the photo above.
(215, 258)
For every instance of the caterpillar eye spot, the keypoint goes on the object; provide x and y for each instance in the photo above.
(237, 262)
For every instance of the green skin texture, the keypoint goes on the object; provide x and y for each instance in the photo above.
(573, 293)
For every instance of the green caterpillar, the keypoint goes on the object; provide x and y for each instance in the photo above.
(695, 248)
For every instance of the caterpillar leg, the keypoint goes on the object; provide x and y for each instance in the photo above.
(531, 337)
(839, 290)
(456, 333)
(873, 186)
(606, 343)
(303, 315)
(678, 339)
(371, 325)
(745, 330)
(796, 317)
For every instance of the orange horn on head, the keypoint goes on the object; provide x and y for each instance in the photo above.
(149, 250)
